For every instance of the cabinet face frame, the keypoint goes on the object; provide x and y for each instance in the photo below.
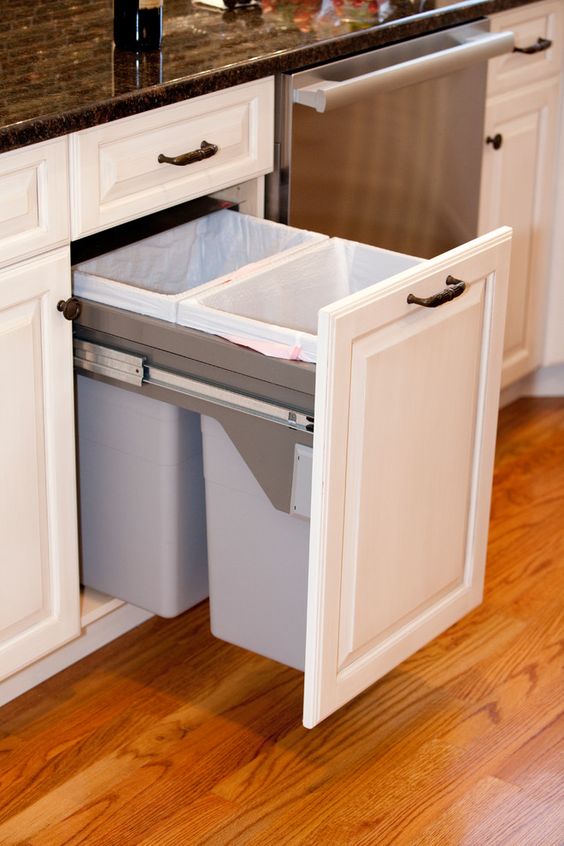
(39, 561)
(346, 650)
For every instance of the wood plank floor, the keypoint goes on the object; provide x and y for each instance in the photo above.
(169, 737)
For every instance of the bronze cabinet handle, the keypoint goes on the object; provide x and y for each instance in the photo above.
(70, 308)
(455, 289)
(542, 44)
(496, 141)
(205, 151)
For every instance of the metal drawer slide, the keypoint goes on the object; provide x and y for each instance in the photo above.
(104, 361)
(133, 370)
(264, 430)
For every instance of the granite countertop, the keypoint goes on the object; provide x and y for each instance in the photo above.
(59, 71)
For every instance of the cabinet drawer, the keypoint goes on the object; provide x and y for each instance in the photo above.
(401, 419)
(115, 170)
(529, 24)
(34, 200)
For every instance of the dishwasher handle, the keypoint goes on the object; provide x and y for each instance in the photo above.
(325, 95)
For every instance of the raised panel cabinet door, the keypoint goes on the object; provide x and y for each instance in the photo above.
(405, 421)
(39, 585)
(518, 190)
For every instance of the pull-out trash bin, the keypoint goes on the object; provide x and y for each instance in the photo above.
(393, 408)
(258, 555)
(140, 460)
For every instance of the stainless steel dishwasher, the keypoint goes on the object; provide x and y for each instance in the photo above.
(386, 147)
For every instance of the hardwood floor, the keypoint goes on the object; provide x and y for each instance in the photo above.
(169, 737)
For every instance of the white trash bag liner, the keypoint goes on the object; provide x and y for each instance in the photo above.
(275, 310)
(151, 276)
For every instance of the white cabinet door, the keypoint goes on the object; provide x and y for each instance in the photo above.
(517, 189)
(39, 587)
(405, 419)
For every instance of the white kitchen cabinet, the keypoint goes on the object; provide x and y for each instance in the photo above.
(405, 421)
(39, 588)
(518, 176)
(116, 177)
(399, 519)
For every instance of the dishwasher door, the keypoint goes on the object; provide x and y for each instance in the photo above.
(386, 147)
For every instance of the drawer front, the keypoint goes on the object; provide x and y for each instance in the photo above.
(115, 172)
(389, 566)
(34, 200)
(529, 23)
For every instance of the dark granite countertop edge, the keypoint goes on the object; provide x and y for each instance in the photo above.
(45, 127)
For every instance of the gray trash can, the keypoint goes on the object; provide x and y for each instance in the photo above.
(142, 509)
(258, 556)
(143, 531)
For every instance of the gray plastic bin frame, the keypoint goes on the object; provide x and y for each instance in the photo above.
(266, 446)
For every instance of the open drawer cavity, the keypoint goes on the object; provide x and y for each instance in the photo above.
(349, 530)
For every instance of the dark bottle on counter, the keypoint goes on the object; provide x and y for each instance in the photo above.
(138, 24)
